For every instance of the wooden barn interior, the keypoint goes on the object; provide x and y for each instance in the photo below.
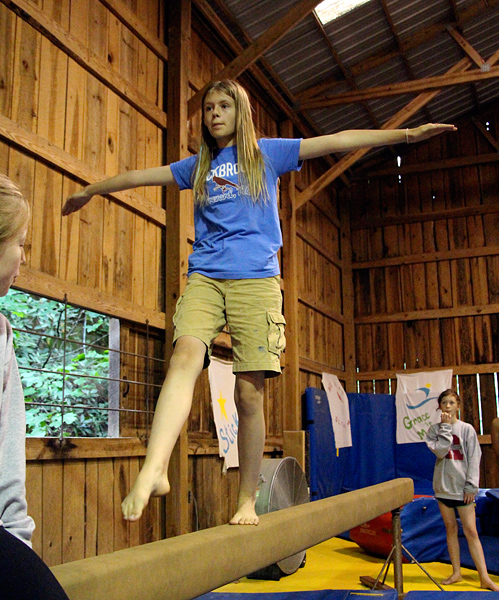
(390, 260)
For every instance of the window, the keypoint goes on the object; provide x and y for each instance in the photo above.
(70, 365)
(329, 10)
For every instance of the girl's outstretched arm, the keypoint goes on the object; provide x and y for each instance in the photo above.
(118, 183)
(353, 139)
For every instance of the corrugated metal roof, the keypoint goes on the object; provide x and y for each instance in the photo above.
(418, 46)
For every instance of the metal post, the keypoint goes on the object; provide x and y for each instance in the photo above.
(397, 555)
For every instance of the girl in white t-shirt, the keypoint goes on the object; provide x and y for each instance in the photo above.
(455, 483)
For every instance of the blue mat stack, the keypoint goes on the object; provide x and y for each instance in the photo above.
(375, 457)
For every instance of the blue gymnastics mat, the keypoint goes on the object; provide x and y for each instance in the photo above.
(311, 595)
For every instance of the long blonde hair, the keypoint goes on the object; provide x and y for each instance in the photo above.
(14, 210)
(251, 164)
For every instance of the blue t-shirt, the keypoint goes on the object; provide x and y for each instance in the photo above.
(236, 238)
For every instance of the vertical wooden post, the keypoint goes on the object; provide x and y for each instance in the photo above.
(347, 296)
(292, 405)
(177, 210)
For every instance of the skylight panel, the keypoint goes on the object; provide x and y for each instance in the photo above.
(329, 10)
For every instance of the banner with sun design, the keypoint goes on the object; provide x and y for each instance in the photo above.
(222, 381)
(416, 403)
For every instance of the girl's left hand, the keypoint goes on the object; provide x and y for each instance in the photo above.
(469, 498)
(424, 132)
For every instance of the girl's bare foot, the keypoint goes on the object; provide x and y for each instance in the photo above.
(144, 487)
(245, 514)
(488, 584)
(454, 578)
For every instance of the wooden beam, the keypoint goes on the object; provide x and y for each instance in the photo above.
(190, 565)
(474, 369)
(414, 40)
(44, 150)
(179, 209)
(347, 298)
(320, 246)
(233, 42)
(463, 43)
(321, 308)
(136, 25)
(414, 259)
(402, 87)
(346, 73)
(313, 366)
(486, 133)
(82, 448)
(434, 313)
(261, 45)
(292, 409)
(437, 165)
(36, 282)
(199, 446)
(284, 103)
(350, 158)
(422, 217)
(84, 56)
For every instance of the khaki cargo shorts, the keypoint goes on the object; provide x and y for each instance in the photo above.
(252, 309)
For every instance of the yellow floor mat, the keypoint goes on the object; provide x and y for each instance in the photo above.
(337, 565)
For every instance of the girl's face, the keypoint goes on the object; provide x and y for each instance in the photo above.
(219, 116)
(11, 258)
(449, 405)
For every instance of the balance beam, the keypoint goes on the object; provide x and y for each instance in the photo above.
(187, 566)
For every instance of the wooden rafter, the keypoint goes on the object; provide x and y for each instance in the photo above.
(349, 159)
(403, 87)
(486, 133)
(466, 46)
(121, 11)
(403, 55)
(284, 102)
(232, 39)
(455, 12)
(416, 39)
(346, 73)
(261, 45)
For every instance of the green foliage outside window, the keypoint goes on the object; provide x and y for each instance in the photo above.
(60, 395)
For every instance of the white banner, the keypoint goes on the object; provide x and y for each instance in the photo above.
(416, 403)
(339, 409)
(222, 381)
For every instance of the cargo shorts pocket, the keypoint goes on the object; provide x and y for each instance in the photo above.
(276, 339)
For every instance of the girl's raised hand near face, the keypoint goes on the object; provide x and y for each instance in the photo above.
(446, 418)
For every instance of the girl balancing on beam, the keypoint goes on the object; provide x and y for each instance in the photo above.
(233, 275)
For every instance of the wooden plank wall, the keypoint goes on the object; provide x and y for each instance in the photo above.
(425, 264)
(81, 97)
(320, 283)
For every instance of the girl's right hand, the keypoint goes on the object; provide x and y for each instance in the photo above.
(446, 418)
(76, 201)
